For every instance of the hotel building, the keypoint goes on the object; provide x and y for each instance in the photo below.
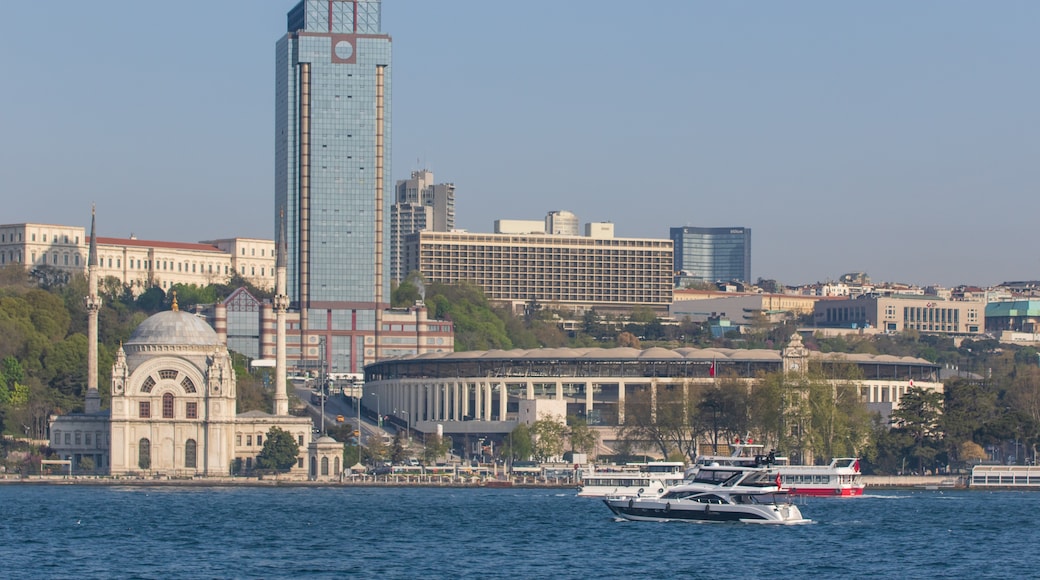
(574, 273)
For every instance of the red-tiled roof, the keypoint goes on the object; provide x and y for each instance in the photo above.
(156, 244)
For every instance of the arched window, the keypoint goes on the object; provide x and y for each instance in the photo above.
(335, 466)
(144, 454)
(324, 465)
(190, 452)
(167, 406)
(314, 467)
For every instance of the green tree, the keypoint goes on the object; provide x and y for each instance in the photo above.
(152, 300)
(519, 445)
(436, 448)
(190, 295)
(918, 415)
(397, 451)
(409, 291)
(582, 437)
(280, 452)
(549, 436)
(375, 449)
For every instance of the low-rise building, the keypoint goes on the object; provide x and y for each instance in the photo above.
(139, 264)
(898, 313)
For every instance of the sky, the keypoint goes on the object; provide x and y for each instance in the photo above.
(896, 138)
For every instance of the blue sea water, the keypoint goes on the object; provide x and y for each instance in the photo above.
(185, 532)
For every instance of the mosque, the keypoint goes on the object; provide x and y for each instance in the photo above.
(173, 402)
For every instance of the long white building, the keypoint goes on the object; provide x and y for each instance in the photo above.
(139, 264)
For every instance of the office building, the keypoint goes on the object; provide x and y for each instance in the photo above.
(333, 185)
(899, 313)
(711, 254)
(419, 204)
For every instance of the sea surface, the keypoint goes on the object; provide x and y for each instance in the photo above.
(81, 531)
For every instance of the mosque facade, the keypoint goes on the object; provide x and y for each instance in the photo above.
(173, 403)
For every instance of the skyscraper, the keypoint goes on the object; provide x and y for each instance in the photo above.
(711, 254)
(419, 205)
(332, 176)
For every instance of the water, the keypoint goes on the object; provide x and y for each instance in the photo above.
(167, 532)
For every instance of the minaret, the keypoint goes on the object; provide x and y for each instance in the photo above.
(93, 303)
(281, 304)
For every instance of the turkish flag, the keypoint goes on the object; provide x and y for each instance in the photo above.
(711, 369)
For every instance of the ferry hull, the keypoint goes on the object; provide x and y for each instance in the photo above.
(826, 492)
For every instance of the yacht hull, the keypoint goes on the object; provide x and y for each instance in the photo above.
(654, 511)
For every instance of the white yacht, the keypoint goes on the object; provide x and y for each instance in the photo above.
(643, 479)
(723, 493)
(841, 477)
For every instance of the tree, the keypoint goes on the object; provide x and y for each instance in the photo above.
(397, 451)
(918, 415)
(280, 451)
(409, 291)
(669, 419)
(581, 436)
(627, 339)
(152, 300)
(549, 434)
(436, 447)
(723, 411)
(375, 449)
(519, 445)
(971, 452)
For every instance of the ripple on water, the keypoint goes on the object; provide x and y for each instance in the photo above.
(100, 532)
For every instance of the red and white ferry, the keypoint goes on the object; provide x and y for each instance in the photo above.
(841, 478)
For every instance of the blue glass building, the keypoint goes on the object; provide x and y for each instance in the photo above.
(333, 186)
(711, 254)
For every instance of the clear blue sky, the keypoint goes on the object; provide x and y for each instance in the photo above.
(897, 138)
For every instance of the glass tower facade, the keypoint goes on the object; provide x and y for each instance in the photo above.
(712, 254)
(332, 176)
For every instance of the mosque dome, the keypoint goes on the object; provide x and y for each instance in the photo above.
(173, 327)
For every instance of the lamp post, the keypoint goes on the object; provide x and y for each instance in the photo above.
(379, 412)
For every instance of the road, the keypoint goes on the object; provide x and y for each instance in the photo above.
(338, 405)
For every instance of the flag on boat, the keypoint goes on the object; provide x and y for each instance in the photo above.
(711, 369)
(911, 382)
(778, 480)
